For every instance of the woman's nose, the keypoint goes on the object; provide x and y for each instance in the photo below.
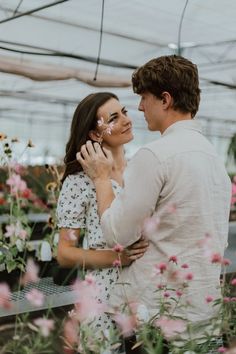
(127, 120)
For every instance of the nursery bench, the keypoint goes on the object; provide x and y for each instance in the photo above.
(55, 296)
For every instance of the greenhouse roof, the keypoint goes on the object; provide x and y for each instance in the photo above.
(50, 51)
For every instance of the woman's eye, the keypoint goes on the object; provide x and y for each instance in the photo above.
(112, 119)
(125, 112)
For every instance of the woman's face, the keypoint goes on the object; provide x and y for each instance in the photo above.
(114, 125)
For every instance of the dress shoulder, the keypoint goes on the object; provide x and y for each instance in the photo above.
(73, 201)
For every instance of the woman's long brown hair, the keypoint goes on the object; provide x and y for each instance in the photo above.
(84, 119)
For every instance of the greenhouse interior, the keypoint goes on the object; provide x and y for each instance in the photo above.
(57, 292)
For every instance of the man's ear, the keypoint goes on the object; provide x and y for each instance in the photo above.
(95, 136)
(166, 99)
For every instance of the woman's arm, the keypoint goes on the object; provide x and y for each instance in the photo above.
(69, 255)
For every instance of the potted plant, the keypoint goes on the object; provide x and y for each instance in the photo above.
(17, 202)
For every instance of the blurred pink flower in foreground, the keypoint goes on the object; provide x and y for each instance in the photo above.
(216, 258)
(87, 304)
(160, 267)
(172, 208)
(206, 244)
(116, 263)
(17, 167)
(31, 274)
(70, 333)
(45, 325)
(226, 262)
(173, 259)
(15, 230)
(16, 183)
(5, 295)
(169, 327)
(118, 248)
(127, 323)
(150, 225)
(209, 298)
(233, 281)
(90, 279)
(35, 297)
(233, 199)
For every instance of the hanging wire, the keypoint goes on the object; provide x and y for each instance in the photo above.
(32, 11)
(17, 8)
(100, 43)
(49, 52)
(179, 49)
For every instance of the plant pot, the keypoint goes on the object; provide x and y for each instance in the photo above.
(12, 278)
(64, 276)
(232, 215)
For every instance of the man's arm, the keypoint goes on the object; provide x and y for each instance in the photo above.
(143, 182)
(122, 217)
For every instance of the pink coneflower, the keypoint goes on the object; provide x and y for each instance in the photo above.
(5, 295)
(216, 258)
(118, 248)
(90, 279)
(150, 225)
(45, 326)
(70, 332)
(31, 274)
(35, 297)
(127, 323)
(189, 276)
(185, 266)
(226, 262)
(171, 208)
(116, 263)
(173, 259)
(233, 281)
(16, 183)
(170, 328)
(209, 298)
(161, 267)
(161, 286)
(166, 294)
(87, 305)
(179, 293)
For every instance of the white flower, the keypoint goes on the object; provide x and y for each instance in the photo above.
(45, 252)
(19, 245)
(56, 239)
(100, 122)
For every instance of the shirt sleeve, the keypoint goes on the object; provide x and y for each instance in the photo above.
(143, 180)
(73, 202)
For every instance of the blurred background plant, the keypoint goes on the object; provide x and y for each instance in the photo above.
(25, 191)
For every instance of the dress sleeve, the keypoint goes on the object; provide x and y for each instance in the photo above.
(73, 202)
(122, 222)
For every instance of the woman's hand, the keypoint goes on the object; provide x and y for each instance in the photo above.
(134, 251)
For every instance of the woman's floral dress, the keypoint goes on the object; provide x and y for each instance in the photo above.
(77, 208)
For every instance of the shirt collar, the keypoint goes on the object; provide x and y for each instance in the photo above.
(190, 124)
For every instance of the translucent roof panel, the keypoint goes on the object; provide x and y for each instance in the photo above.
(49, 53)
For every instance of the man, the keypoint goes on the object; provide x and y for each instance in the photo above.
(180, 179)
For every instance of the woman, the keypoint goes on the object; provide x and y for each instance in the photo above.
(101, 118)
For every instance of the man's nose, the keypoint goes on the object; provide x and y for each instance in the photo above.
(140, 107)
